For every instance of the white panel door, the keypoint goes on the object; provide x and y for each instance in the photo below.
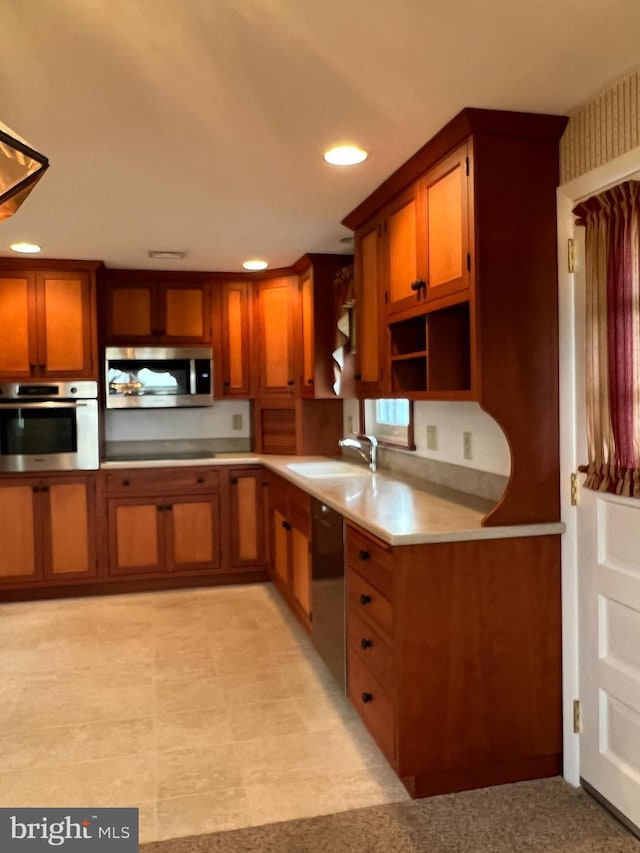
(608, 562)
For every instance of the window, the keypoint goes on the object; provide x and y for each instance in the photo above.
(390, 420)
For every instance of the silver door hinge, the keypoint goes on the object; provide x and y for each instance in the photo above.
(571, 255)
(577, 722)
(574, 490)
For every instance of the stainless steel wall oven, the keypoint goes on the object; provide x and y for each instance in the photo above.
(49, 426)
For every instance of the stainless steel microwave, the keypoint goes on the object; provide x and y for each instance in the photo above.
(158, 377)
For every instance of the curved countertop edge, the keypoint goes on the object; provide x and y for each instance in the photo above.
(436, 514)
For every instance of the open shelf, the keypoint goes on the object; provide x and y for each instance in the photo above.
(431, 352)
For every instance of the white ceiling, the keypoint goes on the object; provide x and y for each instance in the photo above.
(199, 125)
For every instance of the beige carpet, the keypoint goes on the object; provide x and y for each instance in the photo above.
(544, 815)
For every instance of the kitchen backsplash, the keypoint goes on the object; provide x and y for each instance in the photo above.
(228, 420)
(485, 474)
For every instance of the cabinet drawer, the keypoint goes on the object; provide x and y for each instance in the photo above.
(158, 481)
(369, 604)
(371, 559)
(365, 643)
(374, 704)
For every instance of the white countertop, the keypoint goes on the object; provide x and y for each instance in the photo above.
(398, 511)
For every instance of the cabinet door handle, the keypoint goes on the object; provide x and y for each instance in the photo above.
(126, 482)
(234, 481)
(286, 525)
(364, 555)
(367, 697)
(291, 382)
(365, 599)
(32, 367)
(365, 644)
(226, 383)
(418, 285)
(36, 490)
(42, 366)
(44, 489)
(200, 480)
(357, 376)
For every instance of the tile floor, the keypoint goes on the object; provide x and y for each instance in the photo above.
(207, 709)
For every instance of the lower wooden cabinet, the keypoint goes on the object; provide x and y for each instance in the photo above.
(290, 531)
(454, 658)
(48, 528)
(169, 533)
(247, 523)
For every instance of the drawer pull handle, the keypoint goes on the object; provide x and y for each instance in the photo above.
(365, 644)
(200, 480)
(365, 599)
(126, 483)
(364, 555)
(367, 697)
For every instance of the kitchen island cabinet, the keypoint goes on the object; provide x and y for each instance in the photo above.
(453, 658)
(47, 321)
(48, 529)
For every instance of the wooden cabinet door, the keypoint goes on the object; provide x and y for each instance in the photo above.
(280, 543)
(136, 535)
(277, 317)
(301, 571)
(445, 191)
(247, 522)
(20, 554)
(185, 314)
(236, 335)
(405, 251)
(70, 528)
(129, 317)
(18, 347)
(192, 532)
(371, 337)
(64, 342)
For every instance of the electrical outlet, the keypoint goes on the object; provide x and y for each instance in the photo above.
(236, 421)
(466, 445)
(349, 423)
(432, 438)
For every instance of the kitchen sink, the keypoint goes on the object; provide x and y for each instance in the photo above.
(328, 468)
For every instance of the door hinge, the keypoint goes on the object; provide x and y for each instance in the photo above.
(386, 296)
(467, 165)
(468, 262)
(571, 255)
(577, 721)
(574, 490)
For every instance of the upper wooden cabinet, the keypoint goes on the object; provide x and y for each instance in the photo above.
(234, 303)
(278, 337)
(142, 308)
(47, 323)
(484, 325)
(318, 318)
(371, 351)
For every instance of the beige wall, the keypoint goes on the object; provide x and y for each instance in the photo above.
(602, 129)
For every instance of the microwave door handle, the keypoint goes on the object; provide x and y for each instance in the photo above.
(192, 376)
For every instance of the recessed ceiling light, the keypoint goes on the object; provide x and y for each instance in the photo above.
(345, 155)
(165, 255)
(255, 264)
(25, 248)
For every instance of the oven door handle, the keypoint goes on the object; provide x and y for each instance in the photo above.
(47, 404)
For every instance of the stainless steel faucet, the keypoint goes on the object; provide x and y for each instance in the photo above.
(368, 452)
